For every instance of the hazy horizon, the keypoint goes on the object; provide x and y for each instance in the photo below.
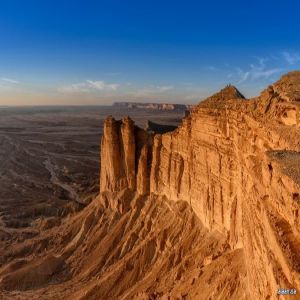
(96, 53)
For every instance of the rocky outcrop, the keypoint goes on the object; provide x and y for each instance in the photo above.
(236, 162)
(288, 87)
(124, 147)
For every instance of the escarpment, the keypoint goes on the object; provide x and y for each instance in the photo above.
(207, 210)
(236, 163)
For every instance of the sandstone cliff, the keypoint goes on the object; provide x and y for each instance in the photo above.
(208, 210)
(236, 162)
(124, 151)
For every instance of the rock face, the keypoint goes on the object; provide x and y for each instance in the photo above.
(124, 147)
(236, 163)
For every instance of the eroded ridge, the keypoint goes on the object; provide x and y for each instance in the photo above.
(208, 210)
(219, 161)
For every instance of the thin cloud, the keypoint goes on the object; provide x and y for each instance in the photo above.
(9, 80)
(164, 88)
(89, 86)
(152, 90)
(291, 58)
(257, 71)
(101, 85)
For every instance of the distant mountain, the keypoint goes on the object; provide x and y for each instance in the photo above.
(154, 106)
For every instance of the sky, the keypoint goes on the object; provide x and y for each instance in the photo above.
(97, 52)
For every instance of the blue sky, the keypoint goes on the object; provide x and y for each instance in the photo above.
(97, 52)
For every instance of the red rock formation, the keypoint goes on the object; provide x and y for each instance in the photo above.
(124, 156)
(209, 210)
(225, 160)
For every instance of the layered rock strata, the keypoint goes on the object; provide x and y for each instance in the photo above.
(124, 156)
(236, 162)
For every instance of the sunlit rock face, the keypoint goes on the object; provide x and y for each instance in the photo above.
(124, 154)
(236, 162)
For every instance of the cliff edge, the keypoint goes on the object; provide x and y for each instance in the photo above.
(207, 210)
(235, 162)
